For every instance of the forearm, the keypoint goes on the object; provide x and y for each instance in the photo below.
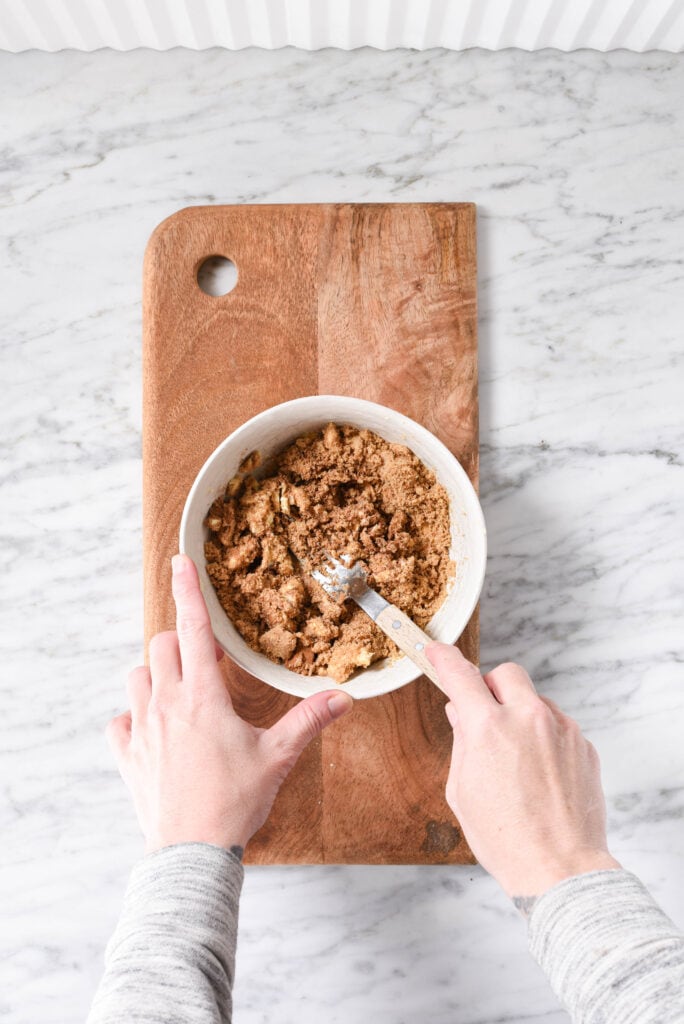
(611, 955)
(171, 959)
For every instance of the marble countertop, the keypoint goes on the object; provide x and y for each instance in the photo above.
(576, 163)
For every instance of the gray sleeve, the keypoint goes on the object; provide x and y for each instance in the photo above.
(171, 959)
(610, 953)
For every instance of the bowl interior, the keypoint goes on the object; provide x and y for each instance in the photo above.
(273, 430)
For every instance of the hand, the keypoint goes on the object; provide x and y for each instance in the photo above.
(524, 783)
(196, 771)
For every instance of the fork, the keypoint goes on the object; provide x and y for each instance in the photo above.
(338, 578)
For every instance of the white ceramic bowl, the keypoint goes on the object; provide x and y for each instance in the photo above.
(273, 430)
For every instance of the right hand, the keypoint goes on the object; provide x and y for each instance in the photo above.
(524, 783)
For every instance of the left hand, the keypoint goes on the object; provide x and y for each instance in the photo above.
(196, 771)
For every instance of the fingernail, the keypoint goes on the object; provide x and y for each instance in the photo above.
(340, 704)
(434, 650)
(177, 565)
(437, 650)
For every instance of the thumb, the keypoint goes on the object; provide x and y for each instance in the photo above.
(452, 715)
(306, 720)
(118, 733)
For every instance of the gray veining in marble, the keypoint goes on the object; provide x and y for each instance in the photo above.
(576, 162)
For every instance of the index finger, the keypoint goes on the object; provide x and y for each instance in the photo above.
(462, 681)
(195, 636)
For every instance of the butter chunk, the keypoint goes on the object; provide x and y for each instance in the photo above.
(278, 643)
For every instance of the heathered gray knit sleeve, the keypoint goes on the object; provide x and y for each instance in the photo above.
(171, 959)
(610, 953)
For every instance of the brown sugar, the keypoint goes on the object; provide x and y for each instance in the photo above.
(341, 490)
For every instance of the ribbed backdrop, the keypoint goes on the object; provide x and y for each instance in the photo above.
(311, 24)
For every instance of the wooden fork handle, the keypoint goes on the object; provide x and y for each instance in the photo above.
(409, 638)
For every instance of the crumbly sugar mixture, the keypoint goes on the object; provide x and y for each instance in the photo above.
(345, 491)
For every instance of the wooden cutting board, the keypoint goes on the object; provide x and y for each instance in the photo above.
(372, 300)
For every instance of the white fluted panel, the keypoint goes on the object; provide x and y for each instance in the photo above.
(312, 24)
(306, 24)
(652, 18)
(422, 22)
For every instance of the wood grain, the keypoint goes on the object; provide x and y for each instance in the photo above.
(372, 300)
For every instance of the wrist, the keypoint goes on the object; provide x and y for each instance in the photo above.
(235, 850)
(580, 863)
(529, 886)
(234, 840)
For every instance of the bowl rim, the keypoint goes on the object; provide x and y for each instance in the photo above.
(401, 420)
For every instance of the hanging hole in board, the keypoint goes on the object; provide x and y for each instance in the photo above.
(217, 276)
